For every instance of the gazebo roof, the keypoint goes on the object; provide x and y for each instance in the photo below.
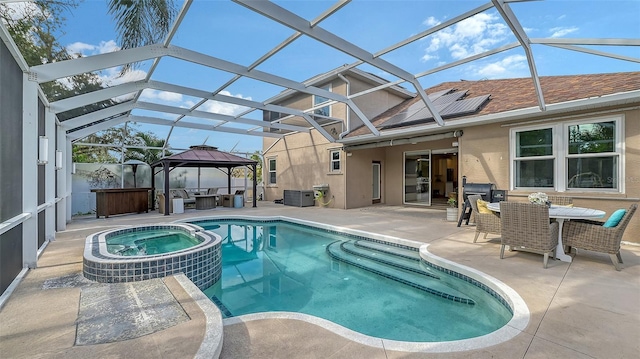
(204, 156)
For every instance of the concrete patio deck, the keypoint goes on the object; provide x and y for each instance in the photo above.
(583, 309)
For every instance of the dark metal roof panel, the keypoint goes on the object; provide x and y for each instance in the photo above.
(450, 97)
(205, 156)
(464, 107)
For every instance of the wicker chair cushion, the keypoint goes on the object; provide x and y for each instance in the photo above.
(482, 207)
(615, 218)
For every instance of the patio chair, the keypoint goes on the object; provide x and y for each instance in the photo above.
(526, 227)
(486, 222)
(594, 236)
(182, 193)
(561, 200)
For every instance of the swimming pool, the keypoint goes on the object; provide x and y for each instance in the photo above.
(272, 267)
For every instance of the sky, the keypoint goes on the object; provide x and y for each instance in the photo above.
(231, 32)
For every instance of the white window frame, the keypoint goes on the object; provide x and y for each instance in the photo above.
(332, 161)
(561, 154)
(318, 106)
(554, 155)
(270, 171)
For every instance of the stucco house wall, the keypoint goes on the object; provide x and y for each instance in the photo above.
(359, 177)
(303, 159)
(484, 154)
(484, 157)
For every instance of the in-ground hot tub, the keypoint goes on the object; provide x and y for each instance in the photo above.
(153, 251)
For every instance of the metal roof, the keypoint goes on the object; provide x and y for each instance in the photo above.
(204, 156)
(228, 68)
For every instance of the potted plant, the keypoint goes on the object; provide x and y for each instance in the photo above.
(452, 210)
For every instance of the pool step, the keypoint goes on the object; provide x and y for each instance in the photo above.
(390, 268)
(398, 260)
(389, 249)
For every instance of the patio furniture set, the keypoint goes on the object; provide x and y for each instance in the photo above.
(555, 229)
(200, 201)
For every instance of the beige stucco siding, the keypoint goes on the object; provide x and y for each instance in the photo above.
(371, 104)
(359, 177)
(302, 161)
(392, 171)
(484, 157)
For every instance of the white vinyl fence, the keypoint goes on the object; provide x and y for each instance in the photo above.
(100, 175)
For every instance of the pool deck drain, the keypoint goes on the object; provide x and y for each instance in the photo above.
(115, 312)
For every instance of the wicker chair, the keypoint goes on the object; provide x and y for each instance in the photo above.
(561, 200)
(592, 236)
(485, 222)
(526, 227)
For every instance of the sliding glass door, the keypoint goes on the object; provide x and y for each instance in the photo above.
(417, 170)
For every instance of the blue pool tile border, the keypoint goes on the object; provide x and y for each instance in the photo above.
(202, 264)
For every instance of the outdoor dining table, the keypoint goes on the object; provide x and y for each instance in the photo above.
(561, 214)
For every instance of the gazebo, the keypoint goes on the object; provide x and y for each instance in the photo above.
(201, 156)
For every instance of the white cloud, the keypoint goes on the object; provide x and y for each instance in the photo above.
(77, 49)
(164, 96)
(224, 108)
(19, 10)
(111, 77)
(471, 36)
(431, 21)
(428, 57)
(510, 66)
(562, 31)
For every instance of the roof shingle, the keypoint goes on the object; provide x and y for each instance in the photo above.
(519, 93)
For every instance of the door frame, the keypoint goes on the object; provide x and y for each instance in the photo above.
(377, 164)
(404, 178)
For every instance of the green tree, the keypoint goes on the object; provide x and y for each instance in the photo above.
(141, 22)
(147, 155)
(238, 172)
(118, 137)
(138, 22)
(33, 28)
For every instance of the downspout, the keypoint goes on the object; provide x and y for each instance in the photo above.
(348, 127)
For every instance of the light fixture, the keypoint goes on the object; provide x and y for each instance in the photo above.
(58, 160)
(73, 168)
(43, 150)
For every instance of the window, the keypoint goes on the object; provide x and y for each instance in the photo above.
(534, 160)
(567, 156)
(335, 161)
(592, 159)
(272, 171)
(319, 100)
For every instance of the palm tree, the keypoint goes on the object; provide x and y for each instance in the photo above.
(146, 155)
(141, 22)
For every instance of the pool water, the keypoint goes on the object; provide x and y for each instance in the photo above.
(280, 266)
(149, 242)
